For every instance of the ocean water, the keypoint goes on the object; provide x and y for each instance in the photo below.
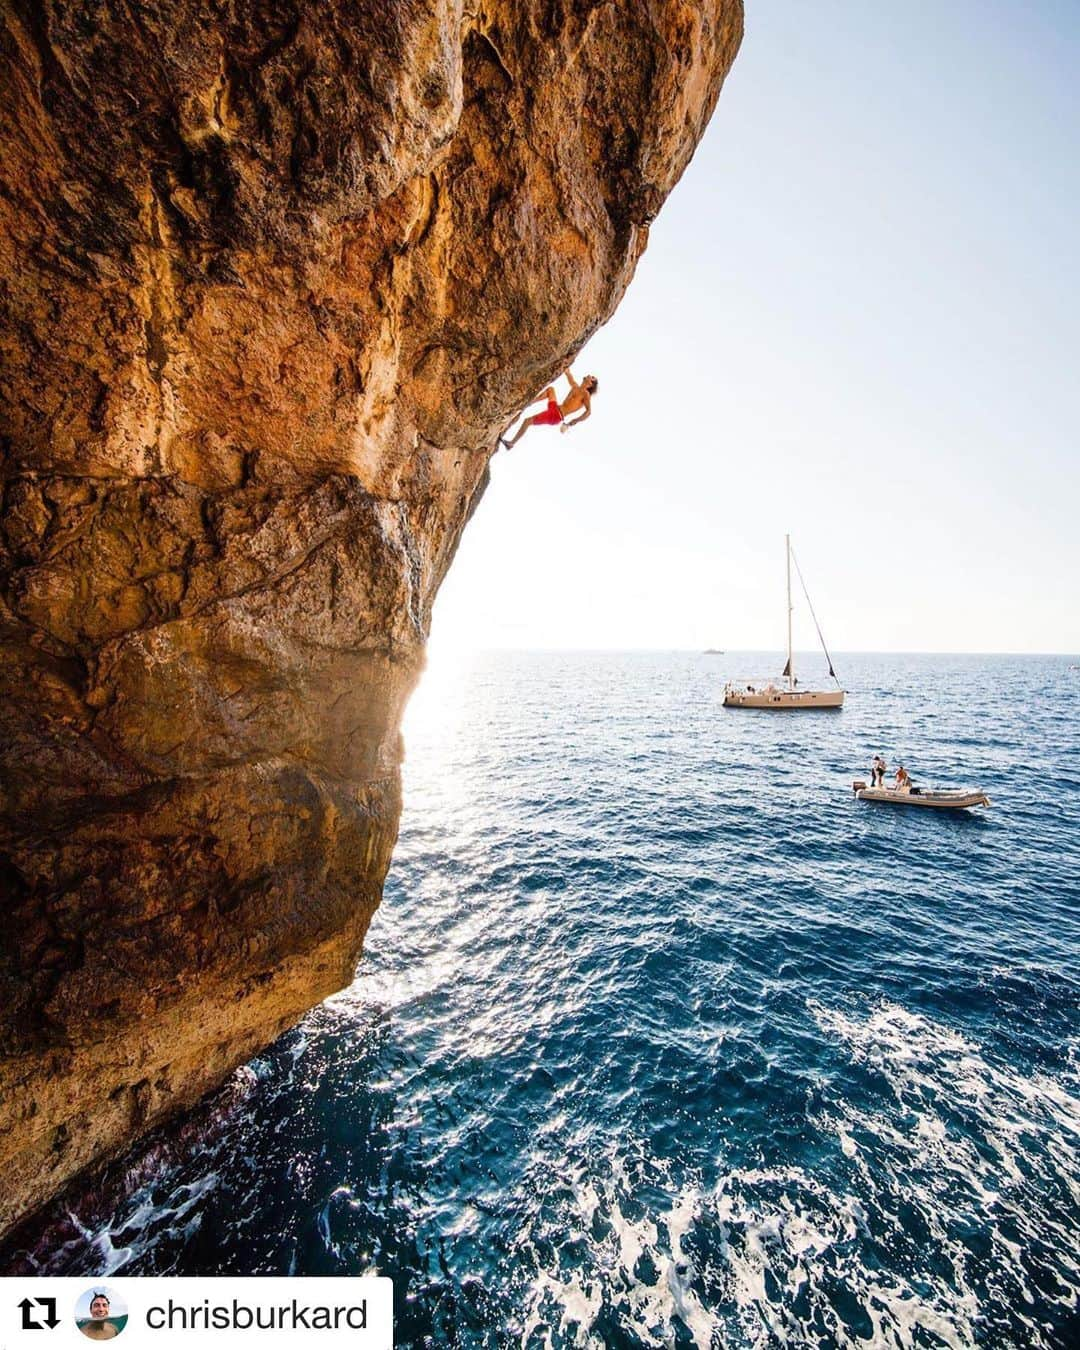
(662, 1039)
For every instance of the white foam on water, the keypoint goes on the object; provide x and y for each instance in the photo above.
(930, 1237)
(646, 1304)
(678, 1270)
(147, 1220)
(776, 1226)
(971, 1144)
(576, 1310)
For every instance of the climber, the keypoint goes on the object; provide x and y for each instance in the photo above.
(555, 414)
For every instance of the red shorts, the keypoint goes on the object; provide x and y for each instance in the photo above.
(551, 417)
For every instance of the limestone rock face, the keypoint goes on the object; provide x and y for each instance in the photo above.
(273, 275)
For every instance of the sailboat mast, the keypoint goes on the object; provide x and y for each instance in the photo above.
(790, 667)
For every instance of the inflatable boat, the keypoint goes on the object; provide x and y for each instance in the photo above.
(954, 799)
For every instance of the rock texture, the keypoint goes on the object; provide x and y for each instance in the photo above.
(273, 274)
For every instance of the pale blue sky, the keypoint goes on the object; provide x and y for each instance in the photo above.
(857, 320)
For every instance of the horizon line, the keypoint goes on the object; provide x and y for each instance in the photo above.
(753, 651)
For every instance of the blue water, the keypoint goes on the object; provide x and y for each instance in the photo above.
(662, 1039)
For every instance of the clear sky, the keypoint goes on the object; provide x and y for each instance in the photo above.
(858, 320)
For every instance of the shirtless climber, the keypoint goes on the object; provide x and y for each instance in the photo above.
(579, 397)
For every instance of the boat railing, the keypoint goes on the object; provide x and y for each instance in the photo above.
(770, 682)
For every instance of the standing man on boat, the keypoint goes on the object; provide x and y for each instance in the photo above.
(555, 414)
(877, 772)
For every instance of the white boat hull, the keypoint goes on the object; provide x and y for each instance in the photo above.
(781, 700)
(942, 799)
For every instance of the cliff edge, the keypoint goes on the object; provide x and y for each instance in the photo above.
(274, 275)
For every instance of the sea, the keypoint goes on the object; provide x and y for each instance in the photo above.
(661, 1038)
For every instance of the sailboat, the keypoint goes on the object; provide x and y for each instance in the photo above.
(779, 696)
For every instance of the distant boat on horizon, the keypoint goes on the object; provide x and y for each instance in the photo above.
(745, 695)
(713, 651)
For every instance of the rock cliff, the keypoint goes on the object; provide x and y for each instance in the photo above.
(274, 274)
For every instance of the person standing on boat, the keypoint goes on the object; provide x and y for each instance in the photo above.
(903, 779)
(877, 772)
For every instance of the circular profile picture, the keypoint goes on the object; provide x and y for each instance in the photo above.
(101, 1313)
